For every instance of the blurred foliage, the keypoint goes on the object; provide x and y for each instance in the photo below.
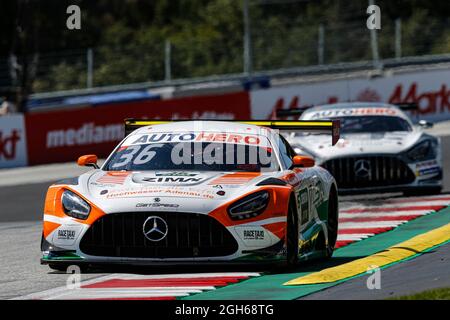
(128, 36)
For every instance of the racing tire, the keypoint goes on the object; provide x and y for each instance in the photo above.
(292, 236)
(332, 223)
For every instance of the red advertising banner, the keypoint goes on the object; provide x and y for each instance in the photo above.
(61, 136)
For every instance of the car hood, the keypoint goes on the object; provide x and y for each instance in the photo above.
(199, 192)
(360, 144)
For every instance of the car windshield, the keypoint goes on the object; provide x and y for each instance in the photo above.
(195, 156)
(372, 124)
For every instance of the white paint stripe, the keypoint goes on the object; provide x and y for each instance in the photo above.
(384, 214)
(61, 291)
(134, 289)
(394, 206)
(265, 221)
(187, 275)
(54, 219)
(369, 224)
(356, 236)
(81, 294)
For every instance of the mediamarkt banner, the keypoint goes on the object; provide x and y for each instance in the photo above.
(430, 89)
(65, 135)
(13, 151)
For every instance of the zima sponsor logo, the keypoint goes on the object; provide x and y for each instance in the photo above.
(180, 180)
(88, 133)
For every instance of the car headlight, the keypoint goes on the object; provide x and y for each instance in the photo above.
(249, 206)
(422, 151)
(74, 206)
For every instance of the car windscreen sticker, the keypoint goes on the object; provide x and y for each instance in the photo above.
(331, 113)
(220, 137)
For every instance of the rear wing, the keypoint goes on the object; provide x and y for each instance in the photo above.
(407, 106)
(291, 112)
(327, 126)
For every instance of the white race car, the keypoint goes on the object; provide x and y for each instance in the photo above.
(380, 149)
(195, 191)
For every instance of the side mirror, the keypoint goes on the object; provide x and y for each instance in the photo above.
(425, 124)
(89, 160)
(303, 162)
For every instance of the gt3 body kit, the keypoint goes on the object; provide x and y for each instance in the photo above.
(380, 149)
(195, 191)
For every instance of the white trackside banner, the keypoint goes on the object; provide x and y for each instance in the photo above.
(430, 89)
(13, 147)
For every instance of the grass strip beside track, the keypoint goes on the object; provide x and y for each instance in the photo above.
(270, 286)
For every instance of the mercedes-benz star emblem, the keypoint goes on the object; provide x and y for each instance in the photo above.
(362, 168)
(155, 228)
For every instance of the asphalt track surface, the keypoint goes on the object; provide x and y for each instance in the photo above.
(21, 209)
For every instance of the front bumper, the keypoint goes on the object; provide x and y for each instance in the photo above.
(192, 238)
(359, 174)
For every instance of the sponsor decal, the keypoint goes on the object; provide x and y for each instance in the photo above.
(179, 180)
(427, 171)
(426, 164)
(235, 178)
(176, 174)
(64, 234)
(12, 142)
(429, 89)
(157, 205)
(331, 113)
(437, 101)
(88, 133)
(163, 191)
(304, 205)
(113, 178)
(232, 138)
(253, 234)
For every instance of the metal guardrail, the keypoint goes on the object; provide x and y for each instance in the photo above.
(221, 81)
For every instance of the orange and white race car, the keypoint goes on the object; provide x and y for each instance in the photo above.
(195, 191)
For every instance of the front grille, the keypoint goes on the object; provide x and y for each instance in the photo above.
(189, 235)
(370, 171)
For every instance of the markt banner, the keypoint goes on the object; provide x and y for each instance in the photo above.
(13, 151)
(429, 89)
(64, 135)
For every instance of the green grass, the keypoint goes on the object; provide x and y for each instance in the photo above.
(437, 294)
